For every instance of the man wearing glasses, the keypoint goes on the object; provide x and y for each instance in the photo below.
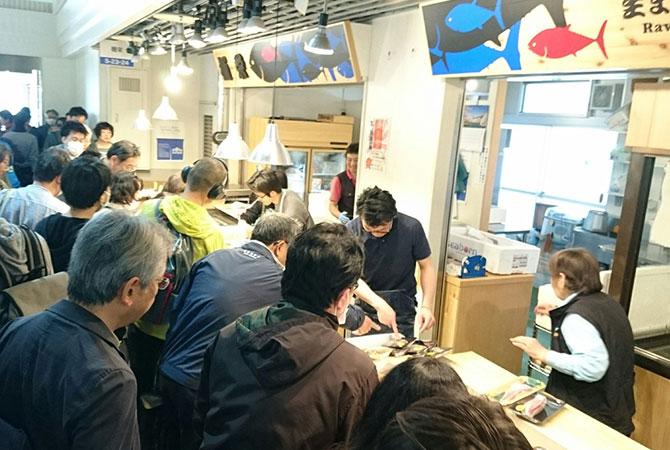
(394, 244)
(64, 383)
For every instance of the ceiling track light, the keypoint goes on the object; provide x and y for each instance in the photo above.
(319, 43)
(178, 37)
(246, 15)
(218, 33)
(184, 68)
(196, 41)
(255, 24)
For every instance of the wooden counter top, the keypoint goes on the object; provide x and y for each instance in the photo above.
(568, 429)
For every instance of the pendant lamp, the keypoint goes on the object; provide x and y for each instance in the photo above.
(319, 43)
(142, 122)
(165, 111)
(218, 33)
(233, 146)
(183, 68)
(270, 150)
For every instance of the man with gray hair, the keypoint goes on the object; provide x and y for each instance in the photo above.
(63, 380)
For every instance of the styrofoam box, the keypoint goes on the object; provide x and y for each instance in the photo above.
(505, 257)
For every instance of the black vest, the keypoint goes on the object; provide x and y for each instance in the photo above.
(346, 202)
(609, 399)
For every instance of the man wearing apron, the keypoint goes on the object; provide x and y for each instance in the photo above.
(394, 244)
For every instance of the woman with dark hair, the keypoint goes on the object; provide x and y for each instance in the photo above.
(124, 188)
(104, 132)
(5, 163)
(591, 354)
(408, 382)
(173, 186)
(444, 423)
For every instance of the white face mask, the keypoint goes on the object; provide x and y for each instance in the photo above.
(74, 148)
(51, 122)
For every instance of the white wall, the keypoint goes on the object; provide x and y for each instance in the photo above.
(59, 84)
(28, 33)
(423, 112)
(187, 105)
(87, 66)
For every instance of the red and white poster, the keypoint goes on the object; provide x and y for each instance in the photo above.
(378, 141)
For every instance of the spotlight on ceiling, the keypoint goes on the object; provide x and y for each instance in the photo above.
(196, 40)
(319, 43)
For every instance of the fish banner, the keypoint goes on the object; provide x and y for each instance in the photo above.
(259, 63)
(501, 37)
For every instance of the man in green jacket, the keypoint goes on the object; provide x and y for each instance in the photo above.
(188, 215)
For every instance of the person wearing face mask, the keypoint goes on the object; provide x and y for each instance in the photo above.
(85, 185)
(343, 187)
(73, 136)
(43, 130)
(283, 372)
(266, 186)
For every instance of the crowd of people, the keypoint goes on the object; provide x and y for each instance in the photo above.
(171, 339)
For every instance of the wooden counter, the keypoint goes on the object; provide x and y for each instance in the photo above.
(482, 314)
(568, 429)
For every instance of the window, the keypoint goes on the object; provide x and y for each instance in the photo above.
(19, 90)
(559, 98)
(571, 166)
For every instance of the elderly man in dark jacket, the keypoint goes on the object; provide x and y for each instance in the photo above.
(63, 379)
(281, 377)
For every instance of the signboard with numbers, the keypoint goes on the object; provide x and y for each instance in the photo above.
(501, 37)
(116, 62)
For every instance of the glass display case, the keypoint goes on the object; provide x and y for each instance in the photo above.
(325, 166)
(313, 170)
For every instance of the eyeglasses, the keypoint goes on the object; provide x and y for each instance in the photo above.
(381, 229)
(354, 287)
(163, 283)
(260, 196)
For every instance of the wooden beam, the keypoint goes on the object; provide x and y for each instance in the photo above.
(633, 212)
(494, 144)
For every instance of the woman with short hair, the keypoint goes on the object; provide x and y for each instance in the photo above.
(592, 348)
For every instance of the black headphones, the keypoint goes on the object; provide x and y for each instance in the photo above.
(218, 191)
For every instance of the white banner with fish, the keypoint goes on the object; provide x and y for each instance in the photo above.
(499, 37)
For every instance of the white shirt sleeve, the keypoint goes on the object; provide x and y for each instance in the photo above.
(589, 359)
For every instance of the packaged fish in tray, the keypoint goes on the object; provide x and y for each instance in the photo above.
(537, 408)
(513, 391)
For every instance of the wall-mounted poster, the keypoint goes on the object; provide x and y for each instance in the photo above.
(257, 64)
(169, 141)
(378, 142)
(498, 37)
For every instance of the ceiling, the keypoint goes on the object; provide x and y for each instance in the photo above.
(288, 17)
(45, 6)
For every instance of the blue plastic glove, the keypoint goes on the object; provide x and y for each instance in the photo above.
(344, 217)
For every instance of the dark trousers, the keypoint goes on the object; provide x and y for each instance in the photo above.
(405, 310)
(177, 415)
(143, 352)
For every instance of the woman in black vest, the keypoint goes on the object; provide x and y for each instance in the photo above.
(592, 343)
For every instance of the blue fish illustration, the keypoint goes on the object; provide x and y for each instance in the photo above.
(470, 16)
(479, 58)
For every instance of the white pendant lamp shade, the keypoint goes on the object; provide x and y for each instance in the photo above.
(183, 68)
(233, 146)
(157, 49)
(165, 111)
(142, 122)
(270, 150)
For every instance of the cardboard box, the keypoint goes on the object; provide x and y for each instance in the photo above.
(335, 118)
(503, 256)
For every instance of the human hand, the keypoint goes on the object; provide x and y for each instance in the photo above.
(531, 346)
(368, 324)
(543, 309)
(344, 217)
(386, 315)
(425, 318)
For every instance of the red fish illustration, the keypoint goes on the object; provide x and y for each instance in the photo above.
(560, 42)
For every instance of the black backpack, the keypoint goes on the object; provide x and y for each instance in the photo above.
(176, 270)
(24, 255)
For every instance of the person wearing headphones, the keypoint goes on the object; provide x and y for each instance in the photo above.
(186, 214)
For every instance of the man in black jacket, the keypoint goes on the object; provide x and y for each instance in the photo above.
(63, 380)
(281, 377)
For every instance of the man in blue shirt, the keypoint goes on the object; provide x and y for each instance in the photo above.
(394, 244)
(63, 380)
